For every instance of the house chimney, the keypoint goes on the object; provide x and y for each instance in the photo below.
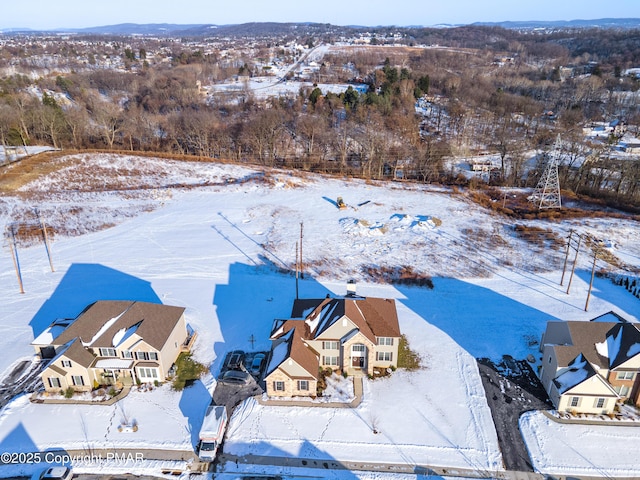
(351, 288)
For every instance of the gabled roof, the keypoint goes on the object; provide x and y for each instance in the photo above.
(623, 343)
(74, 351)
(374, 317)
(584, 336)
(578, 371)
(293, 346)
(610, 316)
(106, 322)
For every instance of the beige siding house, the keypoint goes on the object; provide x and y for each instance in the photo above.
(589, 367)
(351, 334)
(112, 342)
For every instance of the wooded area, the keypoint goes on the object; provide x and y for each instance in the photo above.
(485, 90)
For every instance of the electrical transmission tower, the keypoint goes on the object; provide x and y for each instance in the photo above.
(547, 192)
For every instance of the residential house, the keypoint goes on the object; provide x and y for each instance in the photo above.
(113, 342)
(588, 367)
(352, 334)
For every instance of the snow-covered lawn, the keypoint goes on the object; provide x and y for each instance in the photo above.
(29, 427)
(437, 415)
(572, 449)
(216, 249)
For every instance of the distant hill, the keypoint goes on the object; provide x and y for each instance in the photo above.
(135, 29)
(619, 23)
(265, 29)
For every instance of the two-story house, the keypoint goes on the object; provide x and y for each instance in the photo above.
(587, 367)
(110, 342)
(352, 334)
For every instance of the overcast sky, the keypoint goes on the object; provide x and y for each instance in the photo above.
(50, 14)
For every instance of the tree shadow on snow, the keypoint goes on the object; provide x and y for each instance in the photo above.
(483, 322)
(85, 283)
(248, 304)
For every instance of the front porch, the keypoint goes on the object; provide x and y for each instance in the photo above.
(114, 372)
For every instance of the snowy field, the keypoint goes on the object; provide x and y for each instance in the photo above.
(211, 238)
(580, 449)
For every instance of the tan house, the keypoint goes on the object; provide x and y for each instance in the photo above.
(351, 334)
(588, 367)
(112, 342)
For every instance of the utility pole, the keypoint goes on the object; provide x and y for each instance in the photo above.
(575, 260)
(593, 272)
(566, 256)
(252, 340)
(297, 271)
(301, 264)
(14, 255)
(46, 239)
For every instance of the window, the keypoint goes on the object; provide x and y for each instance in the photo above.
(575, 401)
(278, 386)
(599, 403)
(77, 380)
(303, 384)
(622, 390)
(625, 375)
(385, 341)
(146, 356)
(148, 373)
(54, 382)
(384, 356)
(66, 363)
(108, 352)
(330, 361)
(330, 345)
(126, 354)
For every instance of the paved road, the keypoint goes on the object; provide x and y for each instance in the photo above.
(510, 394)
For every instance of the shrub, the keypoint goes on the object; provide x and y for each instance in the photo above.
(187, 371)
(68, 393)
(407, 358)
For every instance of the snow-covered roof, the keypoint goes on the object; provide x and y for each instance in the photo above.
(623, 343)
(577, 372)
(124, 333)
(50, 333)
(279, 353)
(113, 363)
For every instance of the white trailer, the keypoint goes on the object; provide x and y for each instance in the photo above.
(212, 432)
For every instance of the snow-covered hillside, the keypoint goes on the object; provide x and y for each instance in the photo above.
(221, 241)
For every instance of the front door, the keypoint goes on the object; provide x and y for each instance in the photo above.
(358, 355)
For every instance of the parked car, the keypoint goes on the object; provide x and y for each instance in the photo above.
(256, 365)
(53, 473)
(236, 377)
(234, 360)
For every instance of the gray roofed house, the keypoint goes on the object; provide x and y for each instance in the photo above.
(605, 351)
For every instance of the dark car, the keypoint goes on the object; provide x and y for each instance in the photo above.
(234, 360)
(235, 377)
(256, 365)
